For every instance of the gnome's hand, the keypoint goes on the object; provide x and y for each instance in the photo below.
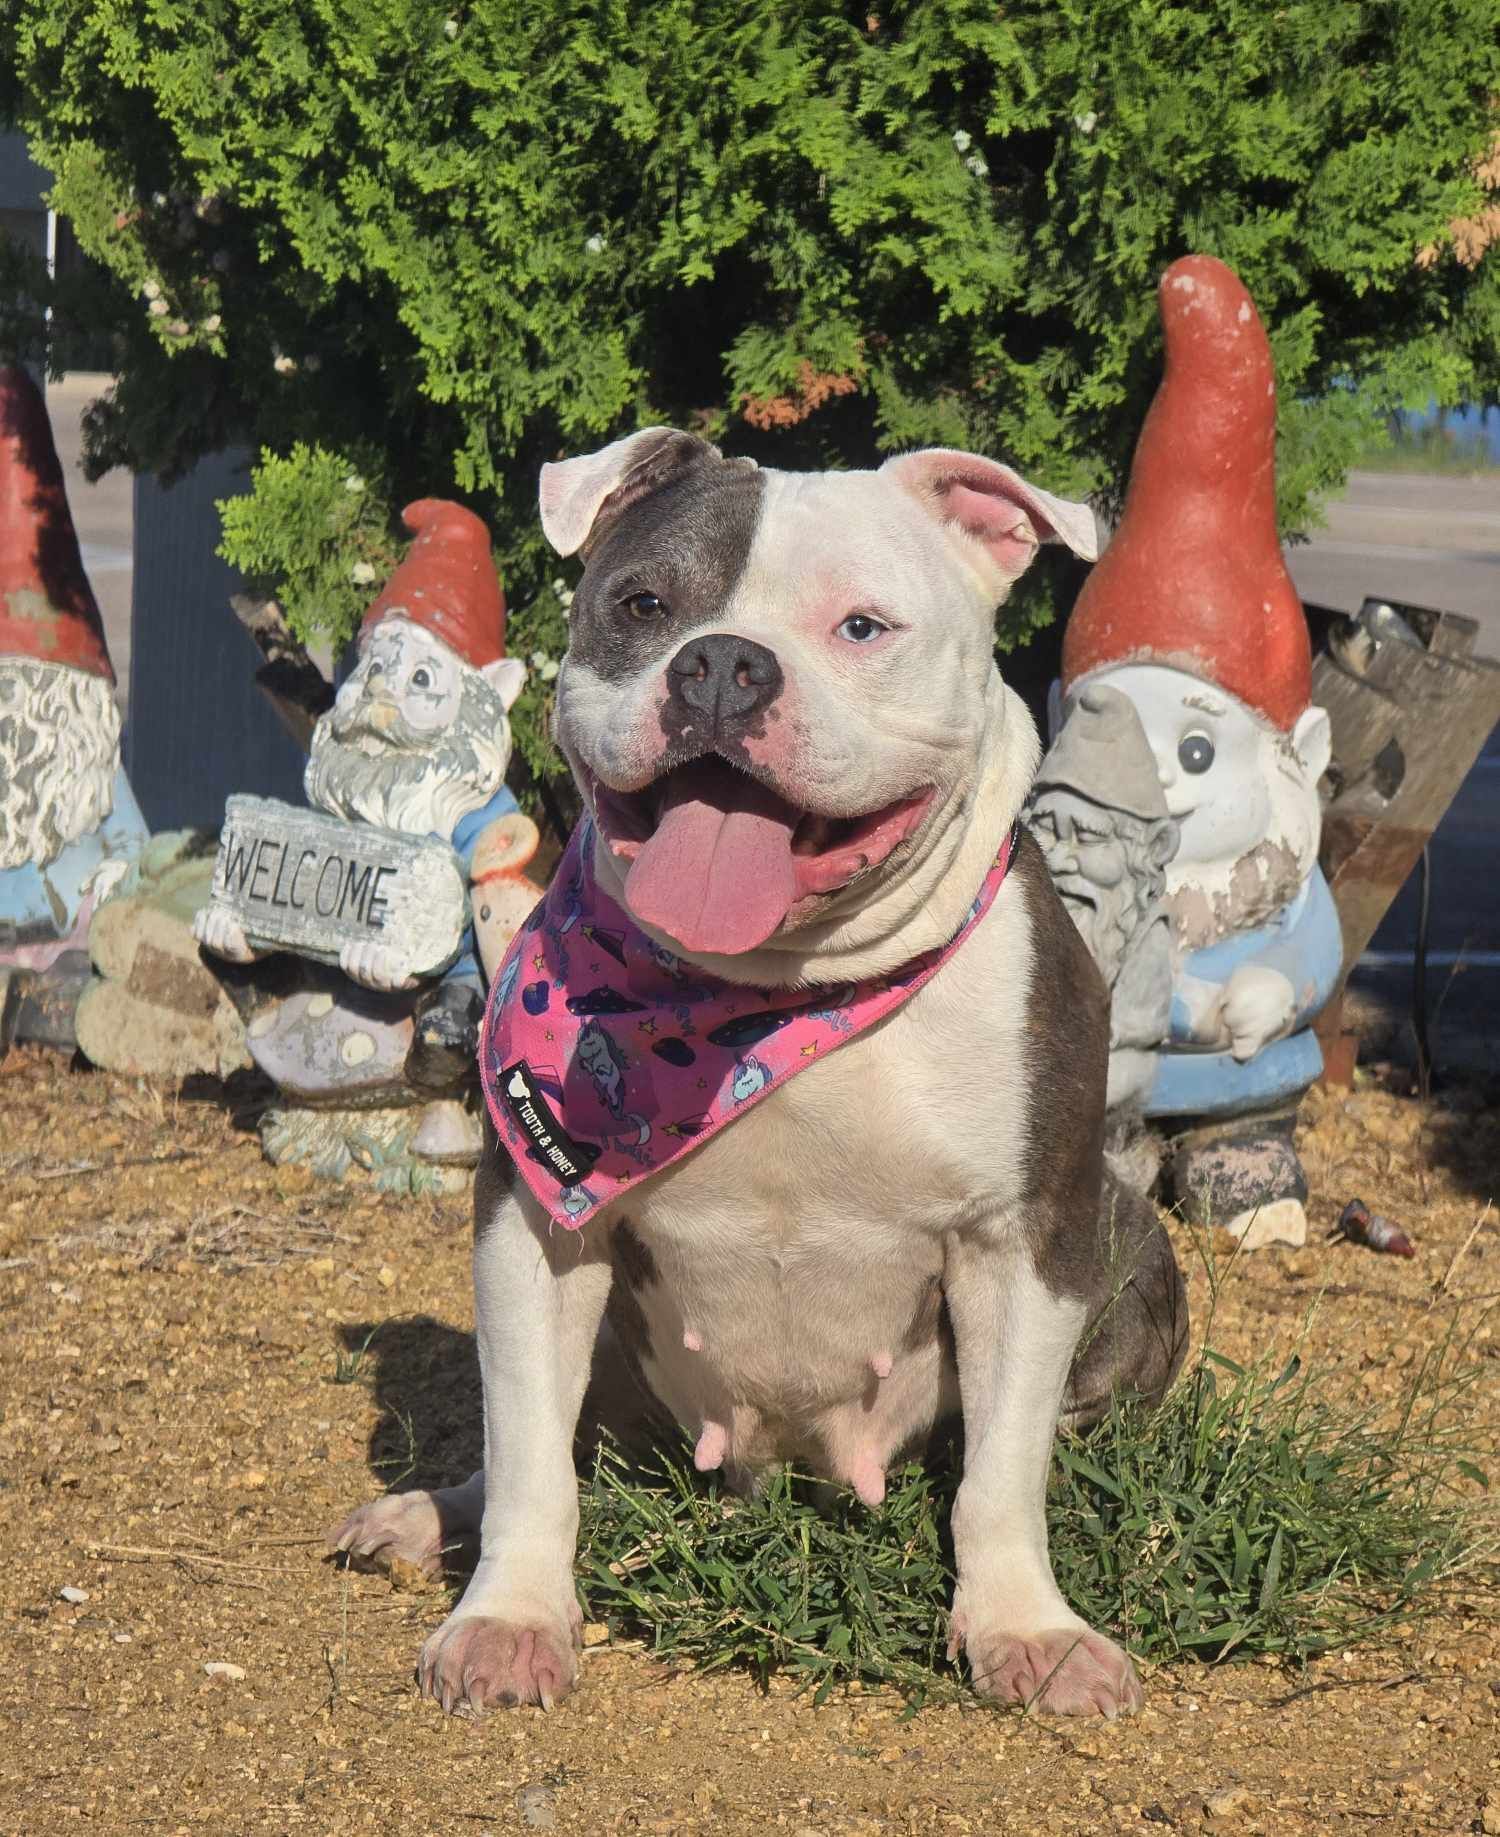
(1259, 1005)
(376, 966)
(220, 932)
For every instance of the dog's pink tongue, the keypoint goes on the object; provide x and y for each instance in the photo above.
(717, 873)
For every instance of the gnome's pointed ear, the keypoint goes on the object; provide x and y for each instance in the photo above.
(579, 496)
(994, 506)
(507, 677)
(1312, 739)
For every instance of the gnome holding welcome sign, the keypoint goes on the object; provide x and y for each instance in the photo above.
(1191, 614)
(416, 745)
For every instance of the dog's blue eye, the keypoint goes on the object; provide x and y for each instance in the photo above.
(643, 606)
(1195, 753)
(860, 628)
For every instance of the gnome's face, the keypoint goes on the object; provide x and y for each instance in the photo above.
(417, 737)
(1244, 794)
(59, 753)
(1105, 864)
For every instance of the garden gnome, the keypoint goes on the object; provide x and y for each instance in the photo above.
(69, 824)
(1100, 814)
(1191, 614)
(417, 742)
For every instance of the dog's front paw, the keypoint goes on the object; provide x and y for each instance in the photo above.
(1067, 1671)
(480, 1661)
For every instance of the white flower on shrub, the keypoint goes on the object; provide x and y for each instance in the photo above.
(362, 574)
(963, 140)
(595, 244)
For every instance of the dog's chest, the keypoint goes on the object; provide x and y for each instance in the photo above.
(796, 1258)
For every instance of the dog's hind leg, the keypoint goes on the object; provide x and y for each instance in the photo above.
(1015, 1339)
(1138, 1314)
(540, 1294)
(415, 1527)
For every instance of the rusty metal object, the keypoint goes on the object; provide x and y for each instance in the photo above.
(1340, 1046)
(1359, 1225)
(1410, 707)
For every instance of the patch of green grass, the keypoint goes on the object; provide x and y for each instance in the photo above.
(349, 1361)
(1247, 1514)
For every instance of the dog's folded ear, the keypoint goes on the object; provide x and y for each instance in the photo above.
(581, 497)
(987, 503)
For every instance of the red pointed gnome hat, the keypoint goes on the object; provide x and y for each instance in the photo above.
(446, 583)
(1194, 578)
(47, 608)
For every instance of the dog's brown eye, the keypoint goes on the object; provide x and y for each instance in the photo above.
(644, 606)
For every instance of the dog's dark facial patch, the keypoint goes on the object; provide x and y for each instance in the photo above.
(667, 565)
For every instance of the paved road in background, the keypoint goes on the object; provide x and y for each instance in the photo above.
(103, 513)
(1429, 540)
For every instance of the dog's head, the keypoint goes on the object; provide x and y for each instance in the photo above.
(779, 685)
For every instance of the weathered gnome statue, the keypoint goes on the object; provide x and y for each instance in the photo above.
(1191, 614)
(1099, 812)
(68, 821)
(415, 746)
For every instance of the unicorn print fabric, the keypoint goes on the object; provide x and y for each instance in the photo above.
(604, 1057)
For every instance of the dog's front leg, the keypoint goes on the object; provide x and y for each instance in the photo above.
(1015, 1340)
(539, 1296)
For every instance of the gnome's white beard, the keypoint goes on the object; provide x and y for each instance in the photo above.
(417, 784)
(59, 753)
(1210, 900)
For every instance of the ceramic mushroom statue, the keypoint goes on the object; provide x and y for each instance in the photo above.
(1191, 614)
(69, 824)
(413, 753)
(1100, 814)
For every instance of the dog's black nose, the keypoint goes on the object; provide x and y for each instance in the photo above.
(722, 678)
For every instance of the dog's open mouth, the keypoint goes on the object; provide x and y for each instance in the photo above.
(717, 860)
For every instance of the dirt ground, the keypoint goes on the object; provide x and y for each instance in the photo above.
(174, 1440)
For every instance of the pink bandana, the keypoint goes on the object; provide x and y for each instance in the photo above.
(605, 1057)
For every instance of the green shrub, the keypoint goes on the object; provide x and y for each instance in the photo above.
(434, 244)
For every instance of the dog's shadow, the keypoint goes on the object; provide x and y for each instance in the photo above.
(424, 1377)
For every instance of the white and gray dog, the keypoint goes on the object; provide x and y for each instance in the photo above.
(920, 1224)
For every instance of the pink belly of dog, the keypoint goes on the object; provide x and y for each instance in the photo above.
(840, 1403)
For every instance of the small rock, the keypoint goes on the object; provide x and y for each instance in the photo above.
(251, 1479)
(221, 1668)
(123, 1639)
(1231, 1802)
(75, 1595)
(535, 1806)
(387, 1276)
(1489, 1815)
(595, 1633)
(407, 1578)
(321, 1267)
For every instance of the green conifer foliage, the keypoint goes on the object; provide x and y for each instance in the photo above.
(427, 244)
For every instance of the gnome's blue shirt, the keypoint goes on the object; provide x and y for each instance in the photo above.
(39, 905)
(466, 832)
(1304, 943)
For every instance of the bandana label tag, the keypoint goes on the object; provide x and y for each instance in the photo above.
(552, 1147)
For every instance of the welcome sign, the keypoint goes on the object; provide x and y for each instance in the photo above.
(302, 881)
